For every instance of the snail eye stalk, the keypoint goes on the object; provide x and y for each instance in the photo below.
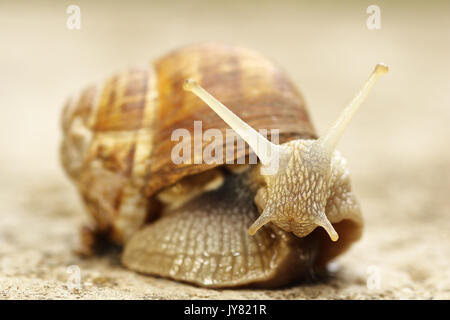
(264, 149)
(327, 143)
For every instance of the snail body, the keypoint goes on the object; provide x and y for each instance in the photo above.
(189, 221)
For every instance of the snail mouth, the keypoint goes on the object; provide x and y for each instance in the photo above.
(299, 228)
(292, 225)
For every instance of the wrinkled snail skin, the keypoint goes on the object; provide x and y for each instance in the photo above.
(205, 242)
(208, 224)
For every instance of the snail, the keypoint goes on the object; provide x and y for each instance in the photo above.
(218, 225)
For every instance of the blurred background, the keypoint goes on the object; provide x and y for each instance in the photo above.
(397, 145)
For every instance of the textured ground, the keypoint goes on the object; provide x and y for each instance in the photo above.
(397, 146)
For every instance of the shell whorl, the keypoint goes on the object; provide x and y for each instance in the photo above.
(107, 146)
(254, 88)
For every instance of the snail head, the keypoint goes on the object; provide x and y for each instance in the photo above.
(299, 175)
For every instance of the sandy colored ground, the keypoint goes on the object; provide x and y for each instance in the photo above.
(397, 146)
